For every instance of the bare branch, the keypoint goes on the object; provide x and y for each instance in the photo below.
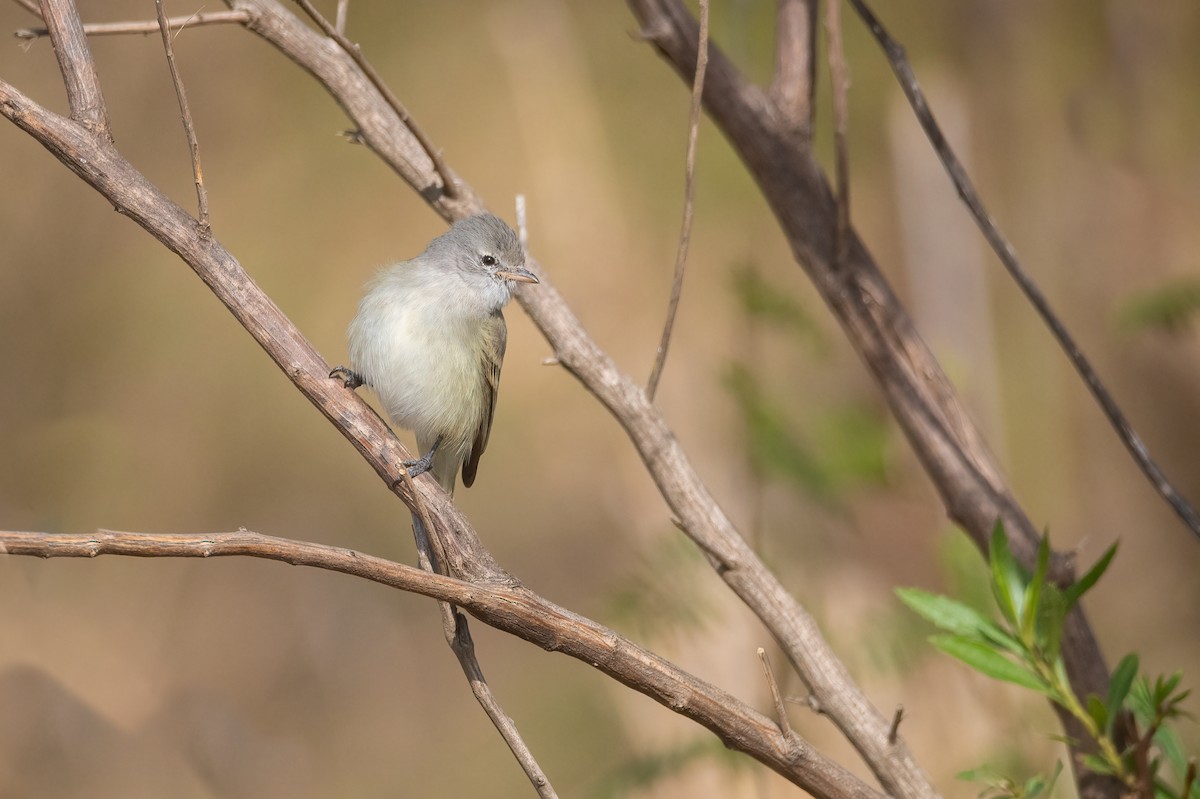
(840, 80)
(146, 26)
(505, 606)
(355, 52)
(343, 10)
(689, 197)
(84, 97)
(31, 7)
(458, 634)
(186, 115)
(1008, 257)
(795, 81)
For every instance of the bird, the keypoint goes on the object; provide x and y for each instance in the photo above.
(429, 338)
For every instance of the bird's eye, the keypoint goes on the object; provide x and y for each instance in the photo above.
(489, 260)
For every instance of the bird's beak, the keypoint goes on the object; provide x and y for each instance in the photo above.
(518, 274)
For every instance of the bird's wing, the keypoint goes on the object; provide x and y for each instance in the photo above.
(495, 338)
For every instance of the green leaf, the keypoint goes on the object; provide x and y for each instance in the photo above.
(1034, 589)
(761, 299)
(1118, 688)
(1098, 711)
(987, 660)
(947, 614)
(1097, 764)
(1168, 307)
(1076, 590)
(1008, 578)
(1052, 615)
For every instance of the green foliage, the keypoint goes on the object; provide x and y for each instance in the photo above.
(763, 301)
(1167, 308)
(648, 770)
(851, 440)
(998, 786)
(661, 594)
(1024, 648)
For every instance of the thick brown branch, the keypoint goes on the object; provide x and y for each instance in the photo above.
(506, 607)
(1008, 257)
(917, 391)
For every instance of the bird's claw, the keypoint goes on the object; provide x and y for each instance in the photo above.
(350, 378)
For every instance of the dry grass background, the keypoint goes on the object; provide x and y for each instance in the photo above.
(133, 401)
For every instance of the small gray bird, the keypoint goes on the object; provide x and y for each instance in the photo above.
(429, 338)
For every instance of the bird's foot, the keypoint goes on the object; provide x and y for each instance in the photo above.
(350, 378)
(418, 467)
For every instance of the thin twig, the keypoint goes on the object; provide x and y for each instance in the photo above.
(1008, 257)
(689, 196)
(785, 726)
(840, 81)
(30, 6)
(145, 26)
(458, 634)
(795, 80)
(894, 730)
(522, 229)
(355, 52)
(343, 9)
(186, 115)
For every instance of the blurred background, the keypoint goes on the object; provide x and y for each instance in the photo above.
(133, 401)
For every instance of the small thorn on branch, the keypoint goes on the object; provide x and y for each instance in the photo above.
(893, 730)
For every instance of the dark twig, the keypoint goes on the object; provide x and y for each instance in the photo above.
(795, 79)
(689, 197)
(840, 81)
(785, 726)
(186, 115)
(144, 26)
(355, 52)
(894, 730)
(1008, 257)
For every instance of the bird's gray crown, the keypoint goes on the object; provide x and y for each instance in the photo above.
(471, 240)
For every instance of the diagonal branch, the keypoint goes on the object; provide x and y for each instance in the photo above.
(916, 389)
(1008, 257)
(505, 606)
